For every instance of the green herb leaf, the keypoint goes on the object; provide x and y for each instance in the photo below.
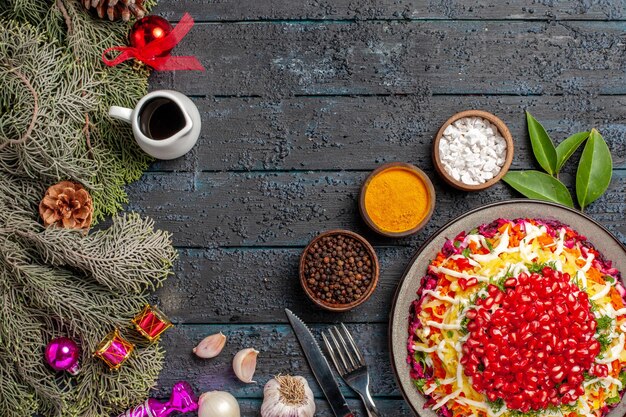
(500, 282)
(605, 341)
(536, 184)
(464, 322)
(594, 170)
(604, 323)
(466, 252)
(613, 400)
(419, 383)
(534, 268)
(622, 378)
(489, 246)
(537, 268)
(543, 148)
(496, 405)
(568, 147)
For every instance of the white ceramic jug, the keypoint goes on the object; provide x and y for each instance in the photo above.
(166, 123)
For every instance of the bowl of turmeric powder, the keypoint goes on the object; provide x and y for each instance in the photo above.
(397, 199)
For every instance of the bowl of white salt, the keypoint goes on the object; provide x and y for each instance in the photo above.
(473, 150)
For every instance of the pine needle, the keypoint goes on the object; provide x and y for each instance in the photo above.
(55, 282)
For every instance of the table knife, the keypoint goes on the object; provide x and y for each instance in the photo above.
(319, 365)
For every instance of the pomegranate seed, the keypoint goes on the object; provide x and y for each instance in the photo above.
(510, 282)
(471, 282)
(558, 377)
(531, 313)
(497, 299)
(576, 379)
(471, 314)
(523, 278)
(526, 336)
(534, 341)
(599, 370)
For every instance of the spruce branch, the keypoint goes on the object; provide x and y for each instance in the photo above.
(55, 282)
(66, 16)
(31, 126)
(130, 247)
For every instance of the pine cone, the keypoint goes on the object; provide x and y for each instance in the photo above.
(116, 9)
(67, 204)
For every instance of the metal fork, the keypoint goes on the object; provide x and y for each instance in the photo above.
(350, 364)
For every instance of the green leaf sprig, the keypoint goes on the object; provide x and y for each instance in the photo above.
(592, 177)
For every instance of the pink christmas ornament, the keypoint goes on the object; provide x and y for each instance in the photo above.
(182, 400)
(62, 355)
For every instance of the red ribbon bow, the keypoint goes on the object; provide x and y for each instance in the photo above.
(149, 54)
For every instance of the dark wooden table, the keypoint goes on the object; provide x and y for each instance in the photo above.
(300, 100)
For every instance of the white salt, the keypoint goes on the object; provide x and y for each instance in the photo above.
(472, 150)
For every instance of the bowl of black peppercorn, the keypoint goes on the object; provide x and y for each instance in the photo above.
(339, 270)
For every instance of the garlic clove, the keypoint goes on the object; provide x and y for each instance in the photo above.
(210, 346)
(244, 364)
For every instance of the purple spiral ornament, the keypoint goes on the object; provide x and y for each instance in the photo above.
(182, 400)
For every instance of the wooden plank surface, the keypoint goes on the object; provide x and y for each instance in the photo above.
(439, 57)
(256, 285)
(300, 100)
(335, 133)
(279, 353)
(235, 10)
(289, 208)
(395, 407)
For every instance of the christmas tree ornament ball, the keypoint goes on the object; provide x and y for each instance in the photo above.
(149, 29)
(62, 355)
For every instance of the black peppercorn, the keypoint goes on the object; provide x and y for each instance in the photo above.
(338, 269)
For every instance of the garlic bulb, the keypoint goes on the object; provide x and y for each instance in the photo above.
(218, 404)
(210, 346)
(287, 396)
(244, 364)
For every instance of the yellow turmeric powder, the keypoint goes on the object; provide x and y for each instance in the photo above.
(397, 200)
